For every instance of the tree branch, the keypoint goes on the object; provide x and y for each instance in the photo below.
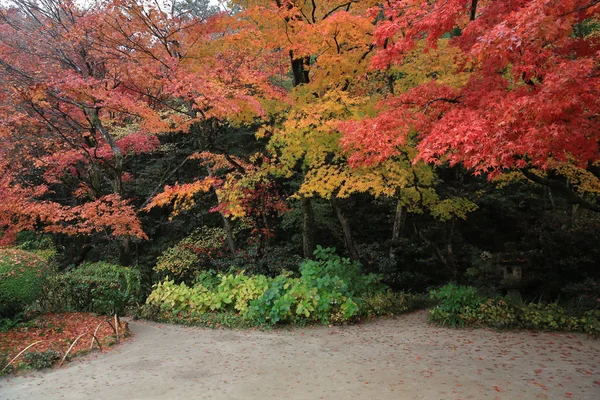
(572, 196)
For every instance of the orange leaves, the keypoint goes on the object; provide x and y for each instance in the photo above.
(57, 332)
(20, 210)
(181, 195)
(107, 213)
(81, 95)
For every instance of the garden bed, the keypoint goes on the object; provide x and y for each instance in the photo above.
(54, 336)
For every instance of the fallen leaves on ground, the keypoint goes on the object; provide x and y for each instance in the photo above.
(57, 332)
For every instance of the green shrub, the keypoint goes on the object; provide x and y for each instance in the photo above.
(178, 262)
(329, 270)
(40, 244)
(547, 317)
(93, 287)
(590, 323)
(42, 359)
(233, 293)
(328, 290)
(461, 306)
(384, 303)
(296, 300)
(497, 314)
(453, 300)
(22, 275)
(195, 253)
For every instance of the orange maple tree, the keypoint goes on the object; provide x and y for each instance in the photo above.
(85, 88)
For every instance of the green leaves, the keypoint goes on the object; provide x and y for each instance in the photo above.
(96, 287)
(327, 290)
(453, 300)
(22, 274)
(462, 306)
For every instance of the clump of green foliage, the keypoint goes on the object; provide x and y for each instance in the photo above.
(40, 244)
(463, 306)
(41, 359)
(329, 289)
(22, 275)
(99, 287)
(191, 255)
(453, 300)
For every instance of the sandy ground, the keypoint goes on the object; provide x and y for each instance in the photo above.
(400, 358)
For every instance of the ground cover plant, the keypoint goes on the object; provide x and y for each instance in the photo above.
(328, 289)
(93, 287)
(463, 306)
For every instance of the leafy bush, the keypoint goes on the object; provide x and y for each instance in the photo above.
(42, 359)
(392, 303)
(22, 275)
(94, 287)
(328, 290)
(591, 323)
(453, 300)
(195, 253)
(328, 266)
(179, 262)
(461, 306)
(548, 317)
(233, 293)
(296, 300)
(40, 244)
(497, 314)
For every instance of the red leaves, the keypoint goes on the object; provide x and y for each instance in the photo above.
(526, 104)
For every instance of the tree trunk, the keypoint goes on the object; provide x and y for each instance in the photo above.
(299, 70)
(399, 220)
(125, 255)
(450, 259)
(229, 233)
(345, 229)
(226, 222)
(117, 153)
(300, 73)
(308, 227)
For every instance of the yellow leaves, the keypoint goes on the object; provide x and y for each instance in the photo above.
(507, 178)
(581, 179)
(309, 133)
(454, 207)
(442, 64)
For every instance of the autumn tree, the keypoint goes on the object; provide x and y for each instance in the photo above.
(326, 43)
(530, 104)
(65, 121)
(85, 88)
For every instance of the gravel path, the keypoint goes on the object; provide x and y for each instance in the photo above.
(400, 358)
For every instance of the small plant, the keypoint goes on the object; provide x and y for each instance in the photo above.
(497, 314)
(591, 323)
(42, 359)
(547, 317)
(453, 300)
(197, 252)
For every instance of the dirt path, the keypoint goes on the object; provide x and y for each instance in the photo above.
(402, 358)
